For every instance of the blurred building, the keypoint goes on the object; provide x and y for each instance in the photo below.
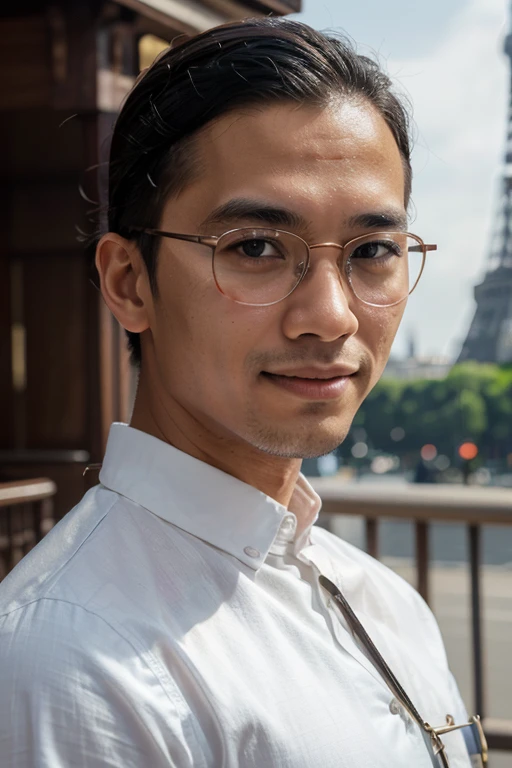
(415, 366)
(65, 67)
(424, 367)
(490, 334)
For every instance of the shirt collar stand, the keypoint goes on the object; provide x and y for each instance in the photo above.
(200, 499)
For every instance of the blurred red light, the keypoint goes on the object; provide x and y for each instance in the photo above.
(468, 451)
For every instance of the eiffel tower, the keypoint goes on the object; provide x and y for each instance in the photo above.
(490, 334)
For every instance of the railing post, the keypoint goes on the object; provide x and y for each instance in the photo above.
(10, 559)
(372, 537)
(476, 617)
(422, 559)
(40, 511)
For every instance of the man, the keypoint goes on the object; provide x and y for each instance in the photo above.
(257, 257)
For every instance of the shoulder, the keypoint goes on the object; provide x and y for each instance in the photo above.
(69, 680)
(87, 553)
(44, 566)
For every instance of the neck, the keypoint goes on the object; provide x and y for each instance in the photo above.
(273, 475)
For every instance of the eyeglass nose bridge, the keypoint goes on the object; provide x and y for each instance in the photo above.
(327, 245)
(339, 247)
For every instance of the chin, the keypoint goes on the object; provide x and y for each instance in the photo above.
(299, 444)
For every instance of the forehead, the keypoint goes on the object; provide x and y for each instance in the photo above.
(341, 155)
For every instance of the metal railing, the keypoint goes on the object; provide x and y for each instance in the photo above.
(424, 504)
(26, 514)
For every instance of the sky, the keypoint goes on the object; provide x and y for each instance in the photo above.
(447, 57)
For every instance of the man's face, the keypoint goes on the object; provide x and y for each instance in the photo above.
(241, 371)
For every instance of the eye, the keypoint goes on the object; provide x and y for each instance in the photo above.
(377, 250)
(259, 248)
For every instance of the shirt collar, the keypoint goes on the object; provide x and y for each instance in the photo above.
(202, 500)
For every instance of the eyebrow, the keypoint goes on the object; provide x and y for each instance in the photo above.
(389, 219)
(256, 210)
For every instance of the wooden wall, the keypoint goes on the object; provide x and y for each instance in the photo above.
(65, 66)
(64, 374)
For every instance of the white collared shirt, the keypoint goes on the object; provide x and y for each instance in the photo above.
(173, 618)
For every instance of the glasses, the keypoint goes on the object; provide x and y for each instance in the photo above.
(472, 731)
(474, 738)
(260, 266)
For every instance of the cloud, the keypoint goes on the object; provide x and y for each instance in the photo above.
(460, 95)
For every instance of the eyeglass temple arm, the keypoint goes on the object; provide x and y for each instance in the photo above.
(201, 239)
(424, 247)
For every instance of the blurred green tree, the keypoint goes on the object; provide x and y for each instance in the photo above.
(474, 402)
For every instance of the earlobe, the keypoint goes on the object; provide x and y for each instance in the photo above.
(123, 281)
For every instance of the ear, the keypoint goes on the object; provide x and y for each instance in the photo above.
(124, 281)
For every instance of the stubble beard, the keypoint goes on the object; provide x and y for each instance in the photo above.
(301, 440)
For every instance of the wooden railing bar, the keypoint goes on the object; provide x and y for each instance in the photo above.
(372, 536)
(443, 503)
(475, 559)
(52, 456)
(23, 491)
(422, 559)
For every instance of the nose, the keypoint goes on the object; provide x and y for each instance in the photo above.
(322, 305)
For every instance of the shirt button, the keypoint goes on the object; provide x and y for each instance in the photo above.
(287, 525)
(251, 552)
(394, 707)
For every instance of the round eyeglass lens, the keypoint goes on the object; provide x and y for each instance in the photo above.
(259, 266)
(385, 268)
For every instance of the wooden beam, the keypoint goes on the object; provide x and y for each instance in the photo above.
(282, 7)
(189, 17)
(192, 16)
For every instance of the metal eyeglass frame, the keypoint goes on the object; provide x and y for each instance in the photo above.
(439, 747)
(212, 242)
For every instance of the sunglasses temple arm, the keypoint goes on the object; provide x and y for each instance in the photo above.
(449, 728)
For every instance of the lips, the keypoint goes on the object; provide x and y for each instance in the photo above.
(311, 384)
(334, 372)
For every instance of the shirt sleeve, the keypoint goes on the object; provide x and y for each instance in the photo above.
(74, 693)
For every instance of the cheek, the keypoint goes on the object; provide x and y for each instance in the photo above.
(377, 330)
(203, 335)
(181, 320)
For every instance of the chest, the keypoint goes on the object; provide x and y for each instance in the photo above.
(286, 685)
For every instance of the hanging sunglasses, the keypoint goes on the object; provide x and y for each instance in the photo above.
(473, 733)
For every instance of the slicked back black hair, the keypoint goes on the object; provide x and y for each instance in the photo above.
(251, 62)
